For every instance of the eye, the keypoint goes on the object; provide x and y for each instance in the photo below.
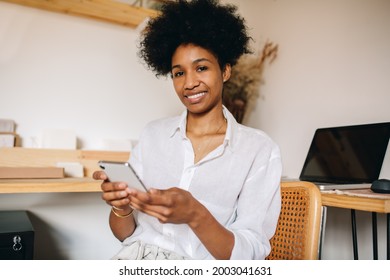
(202, 68)
(177, 74)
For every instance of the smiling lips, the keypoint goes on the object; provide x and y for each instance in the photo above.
(195, 97)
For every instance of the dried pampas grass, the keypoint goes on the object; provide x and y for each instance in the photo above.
(242, 89)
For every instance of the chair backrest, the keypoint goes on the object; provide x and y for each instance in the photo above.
(297, 234)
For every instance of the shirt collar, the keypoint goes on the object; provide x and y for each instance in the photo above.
(180, 125)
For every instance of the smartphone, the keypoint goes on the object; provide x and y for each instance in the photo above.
(122, 172)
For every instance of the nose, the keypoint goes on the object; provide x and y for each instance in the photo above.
(191, 80)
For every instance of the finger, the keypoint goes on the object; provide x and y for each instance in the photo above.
(153, 196)
(122, 197)
(162, 197)
(138, 198)
(99, 175)
(114, 195)
(158, 212)
(145, 202)
(113, 186)
(120, 204)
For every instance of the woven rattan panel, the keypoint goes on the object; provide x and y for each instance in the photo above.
(289, 240)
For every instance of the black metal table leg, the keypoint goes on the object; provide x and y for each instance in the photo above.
(354, 235)
(324, 210)
(388, 236)
(374, 235)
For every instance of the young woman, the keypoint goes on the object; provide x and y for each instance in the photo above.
(214, 184)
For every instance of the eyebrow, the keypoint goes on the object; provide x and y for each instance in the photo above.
(194, 62)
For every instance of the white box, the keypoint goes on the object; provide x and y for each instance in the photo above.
(7, 140)
(59, 139)
(72, 169)
(7, 126)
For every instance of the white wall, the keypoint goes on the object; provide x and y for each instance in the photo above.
(59, 71)
(332, 69)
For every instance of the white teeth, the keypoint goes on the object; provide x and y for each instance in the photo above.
(196, 95)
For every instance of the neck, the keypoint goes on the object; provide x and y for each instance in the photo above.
(206, 123)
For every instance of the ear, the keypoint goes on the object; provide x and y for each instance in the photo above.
(227, 71)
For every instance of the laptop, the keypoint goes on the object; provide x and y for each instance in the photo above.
(346, 157)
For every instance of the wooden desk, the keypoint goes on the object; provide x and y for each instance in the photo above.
(363, 200)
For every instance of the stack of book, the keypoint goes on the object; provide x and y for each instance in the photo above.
(8, 137)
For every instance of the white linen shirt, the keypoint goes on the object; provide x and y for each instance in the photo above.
(238, 182)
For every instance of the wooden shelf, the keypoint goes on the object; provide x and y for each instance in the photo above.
(27, 157)
(107, 10)
(49, 185)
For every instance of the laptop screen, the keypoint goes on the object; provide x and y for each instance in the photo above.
(347, 154)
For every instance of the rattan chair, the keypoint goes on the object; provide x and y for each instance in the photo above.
(297, 235)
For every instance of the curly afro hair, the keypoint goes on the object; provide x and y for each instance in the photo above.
(205, 23)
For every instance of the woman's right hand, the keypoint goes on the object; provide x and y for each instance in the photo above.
(114, 194)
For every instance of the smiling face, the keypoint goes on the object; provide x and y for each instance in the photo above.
(197, 78)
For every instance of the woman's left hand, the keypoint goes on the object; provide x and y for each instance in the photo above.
(173, 205)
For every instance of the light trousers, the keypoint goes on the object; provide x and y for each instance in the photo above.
(141, 251)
